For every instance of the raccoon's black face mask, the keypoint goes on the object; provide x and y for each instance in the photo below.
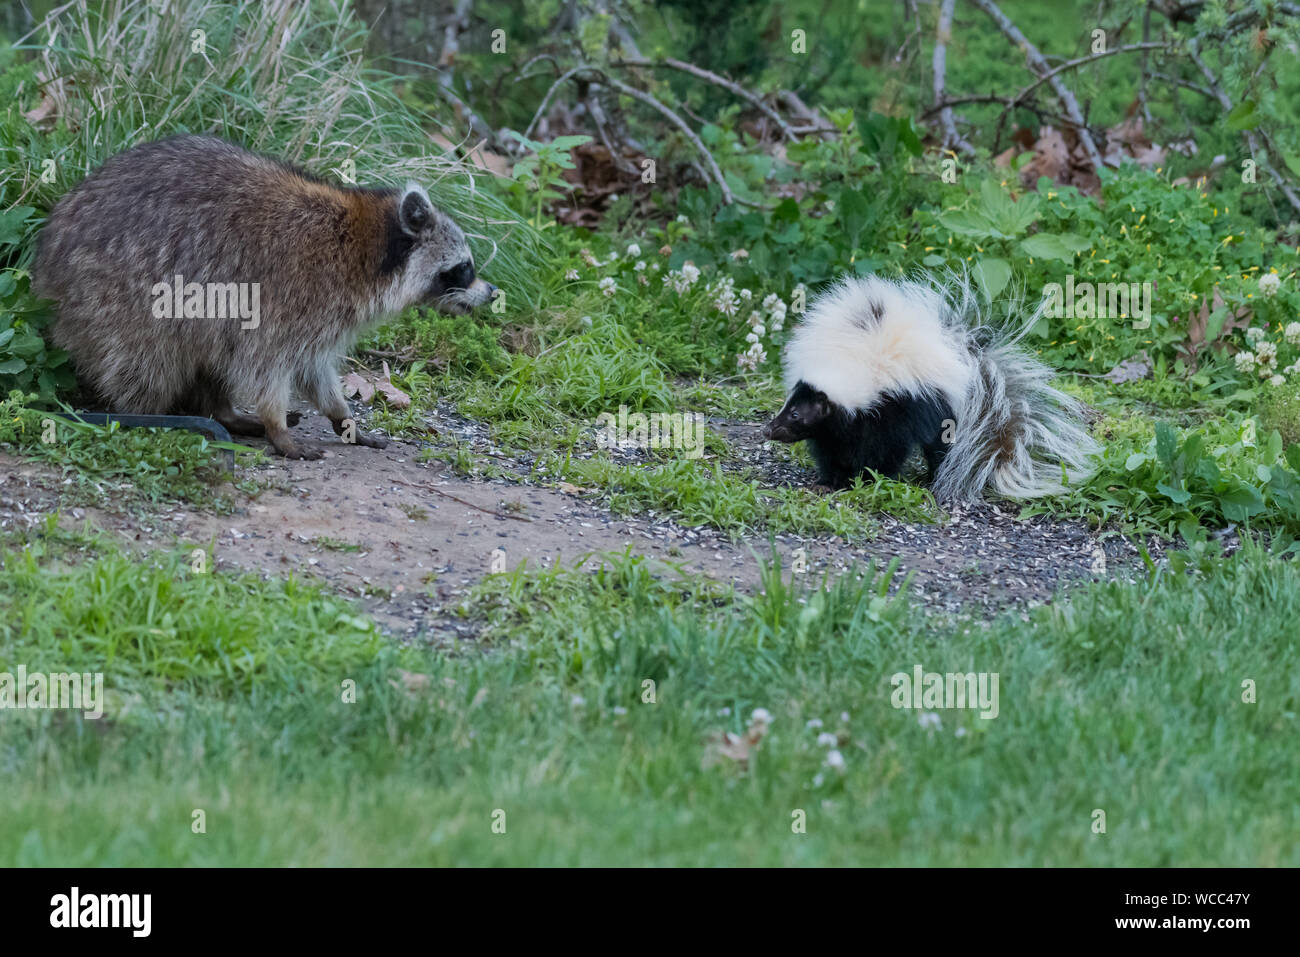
(804, 413)
(457, 290)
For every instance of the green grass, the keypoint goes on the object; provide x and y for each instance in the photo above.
(115, 467)
(1127, 699)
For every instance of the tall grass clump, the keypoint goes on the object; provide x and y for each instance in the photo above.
(280, 77)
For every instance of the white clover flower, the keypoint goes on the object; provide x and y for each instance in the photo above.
(770, 301)
(835, 760)
(640, 265)
(779, 311)
(1292, 333)
(760, 716)
(758, 330)
(752, 357)
(1254, 334)
(1266, 352)
(814, 723)
(1277, 380)
(588, 258)
(1269, 284)
(740, 254)
(683, 219)
(642, 279)
(746, 295)
(571, 275)
(1245, 361)
(607, 286)
(752, 337)
(929, 720)
(633, 250)
(654, 267)
(827, 740)
(613, 257)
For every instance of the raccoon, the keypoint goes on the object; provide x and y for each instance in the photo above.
(192, 276)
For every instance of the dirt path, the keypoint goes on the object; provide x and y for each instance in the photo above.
(410, 539)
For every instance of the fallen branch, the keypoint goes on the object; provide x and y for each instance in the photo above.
(682, 125)
(1259, 154)
(1043, 71)
(709, 76)
(951, 138)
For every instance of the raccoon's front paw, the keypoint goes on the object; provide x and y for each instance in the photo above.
(292, 418)
(294, 450)
(372, 441)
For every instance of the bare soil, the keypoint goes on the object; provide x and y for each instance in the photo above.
(410, 539)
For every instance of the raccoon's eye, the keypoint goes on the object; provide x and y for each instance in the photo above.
(457, 277)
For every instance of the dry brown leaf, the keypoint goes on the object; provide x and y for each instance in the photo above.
(391, 393)
(723, 747)
(354, 384)
(411, 682)
(1198, 324)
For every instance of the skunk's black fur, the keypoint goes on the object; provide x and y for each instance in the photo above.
(845, 443)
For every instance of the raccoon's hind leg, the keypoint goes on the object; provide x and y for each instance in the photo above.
(320, 386)
(241, 423)
(207, 396)
(270, 412)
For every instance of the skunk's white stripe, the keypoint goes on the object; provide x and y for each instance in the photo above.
(868, 337)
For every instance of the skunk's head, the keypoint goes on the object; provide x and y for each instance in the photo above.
(802, 416)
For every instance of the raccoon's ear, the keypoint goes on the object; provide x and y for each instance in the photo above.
(414, 211)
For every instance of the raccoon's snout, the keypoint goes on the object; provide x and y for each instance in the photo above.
(460, 300)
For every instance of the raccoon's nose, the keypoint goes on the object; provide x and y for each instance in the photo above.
(491, 289)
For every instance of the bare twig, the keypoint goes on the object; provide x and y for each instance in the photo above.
(457, 23)
(682, 125)
(709, 76)
(1259, 154)
(541, 107)
(1142, 67)
(951, 138)
(1044, 72)
(437, 491)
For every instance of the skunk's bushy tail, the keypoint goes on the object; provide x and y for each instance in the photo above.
(1015, 434)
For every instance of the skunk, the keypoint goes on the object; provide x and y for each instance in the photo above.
(880, 368)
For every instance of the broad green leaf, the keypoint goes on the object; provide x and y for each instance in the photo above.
(993, 275)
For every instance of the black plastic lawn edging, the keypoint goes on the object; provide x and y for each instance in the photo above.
(194, 423)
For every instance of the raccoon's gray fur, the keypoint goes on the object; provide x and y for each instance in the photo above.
(320, 262)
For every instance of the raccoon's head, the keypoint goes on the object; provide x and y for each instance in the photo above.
(439, 268)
